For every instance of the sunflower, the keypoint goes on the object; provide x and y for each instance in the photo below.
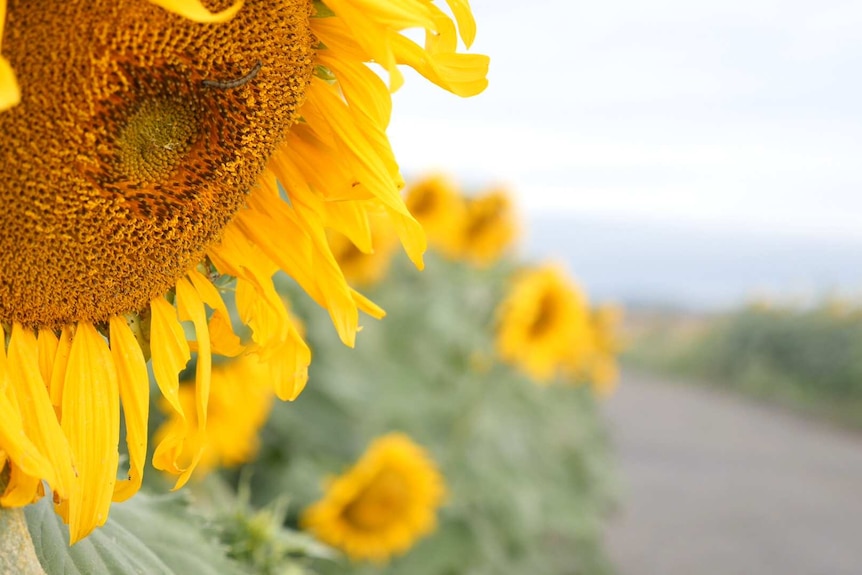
(601, 368)
(162, 159)
(383, 504)
(489, 227)
(239, 404)
(360, 268)
(436, 202)
(544, 323)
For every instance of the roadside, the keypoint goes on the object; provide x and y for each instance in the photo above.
(714, 484)
(806, 358)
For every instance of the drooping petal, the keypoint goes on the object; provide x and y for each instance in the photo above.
(14, 442)
(135, 397)
(195, 10)
(258, 304)
(266, 316)
(170, 356)
(222, 337)
(38, 415)
(169, 348)
(309, 261)
(464, 17)
(288, 363)
(191, 308)
(91, 421)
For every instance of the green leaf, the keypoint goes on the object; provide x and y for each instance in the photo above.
(146, 535)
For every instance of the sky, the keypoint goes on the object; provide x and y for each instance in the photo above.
(735, 114)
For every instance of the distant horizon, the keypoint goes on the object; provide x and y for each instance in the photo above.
(680, 264)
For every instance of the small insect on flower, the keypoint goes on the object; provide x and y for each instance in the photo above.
(227, 85)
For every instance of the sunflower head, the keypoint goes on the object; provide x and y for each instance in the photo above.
(489, 227)
(130, 150)
(162, 160)
(437, 204)
(383, 504)
(543, 323)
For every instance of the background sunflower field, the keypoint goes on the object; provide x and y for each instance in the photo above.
(496, 473)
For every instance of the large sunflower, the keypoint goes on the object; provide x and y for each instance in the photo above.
(162, 159)
(383, 504)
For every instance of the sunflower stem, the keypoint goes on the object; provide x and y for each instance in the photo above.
(17, 554)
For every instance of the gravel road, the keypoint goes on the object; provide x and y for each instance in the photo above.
(714, 484)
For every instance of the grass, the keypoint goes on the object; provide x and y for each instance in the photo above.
(806, 359)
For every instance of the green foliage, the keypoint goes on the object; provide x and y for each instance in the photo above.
(809, 359)
(152, 535)
(259, 539)
(526, 467)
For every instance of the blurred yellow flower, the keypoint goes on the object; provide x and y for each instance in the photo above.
(383, 504)
(489, 227)
(543, 323)
(360, 268)
(601, 369)
(240, 401)
(155, 153)
(436, 203)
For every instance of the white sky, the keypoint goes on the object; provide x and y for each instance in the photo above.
(726, 113)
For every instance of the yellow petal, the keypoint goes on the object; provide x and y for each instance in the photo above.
(195, 10)
(368, 306)
(462, 74)
(464, 17)
(222, 337)
(40, 421)
(191, 308)
(258, 304)
(58, 369)
(135, 397)
(14, 442)
(17, 447)
(22, 488)
(266, 316)
(10, 93)
(170, 350)
(288, 365)
(91, 421)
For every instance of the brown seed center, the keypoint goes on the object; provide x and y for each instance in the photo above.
(130, 152)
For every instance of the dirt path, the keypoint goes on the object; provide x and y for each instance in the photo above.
(713, 485)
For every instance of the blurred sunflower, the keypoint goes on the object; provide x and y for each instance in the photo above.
(602, 370)
(489, 227)
(544, 323)
(383, 504)
(162, 158)
(436, 203)
(360, 268)
(239, 404)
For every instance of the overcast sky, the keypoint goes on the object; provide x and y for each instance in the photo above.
(732, 113)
